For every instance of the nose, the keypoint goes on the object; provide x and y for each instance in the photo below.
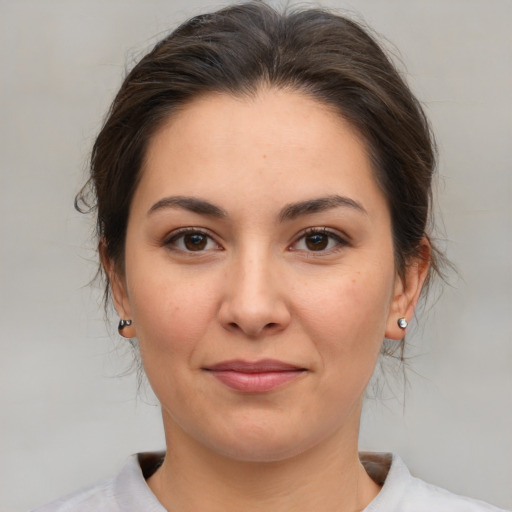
(254, 302)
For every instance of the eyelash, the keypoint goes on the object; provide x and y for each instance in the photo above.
(171, 241)
(340, 242)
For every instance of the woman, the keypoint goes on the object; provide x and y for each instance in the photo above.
(262, 185)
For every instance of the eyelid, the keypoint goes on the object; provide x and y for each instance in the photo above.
(341, 239)
(170, 239)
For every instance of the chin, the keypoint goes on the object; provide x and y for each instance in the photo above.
(264, 443)
(262, 452)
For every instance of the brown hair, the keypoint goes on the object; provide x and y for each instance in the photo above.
(237, 49)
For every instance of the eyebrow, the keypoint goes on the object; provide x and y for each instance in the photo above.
(192, 204)
(289, 212)
(294, 210)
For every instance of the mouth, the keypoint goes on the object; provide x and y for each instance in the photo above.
(255, 377)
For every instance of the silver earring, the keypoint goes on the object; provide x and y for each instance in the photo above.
(123, 324)
(402, 323)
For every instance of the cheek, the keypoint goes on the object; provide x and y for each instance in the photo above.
(347, 326)
(347, 314)
(171, 313)
(172, 316)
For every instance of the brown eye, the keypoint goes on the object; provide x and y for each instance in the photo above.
(317, 241)
(191, 240)
(320, 240)
(195, 241)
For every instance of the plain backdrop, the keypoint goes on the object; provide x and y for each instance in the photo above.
(67, 416)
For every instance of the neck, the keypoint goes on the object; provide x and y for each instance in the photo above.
(328, 477)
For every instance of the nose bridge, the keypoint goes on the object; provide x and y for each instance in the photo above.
(254, 302)
(254, 267)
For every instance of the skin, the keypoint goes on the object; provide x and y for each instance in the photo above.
(254, 284)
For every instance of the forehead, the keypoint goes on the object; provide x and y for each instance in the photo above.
(275, 142)
(268, 119)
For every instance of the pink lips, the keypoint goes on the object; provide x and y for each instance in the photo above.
(255, 377)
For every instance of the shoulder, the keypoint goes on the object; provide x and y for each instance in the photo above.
(402, 492)
(126, 492)
(98, 497)
(421, 496)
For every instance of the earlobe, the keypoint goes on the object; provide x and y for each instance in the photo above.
(126, 329)
(118, 292)
(407, 292)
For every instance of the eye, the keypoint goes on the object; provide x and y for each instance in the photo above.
(192, 240)
(319, 240)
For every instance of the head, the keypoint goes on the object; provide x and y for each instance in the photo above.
(248, 63)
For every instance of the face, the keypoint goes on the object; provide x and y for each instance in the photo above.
(260, 275)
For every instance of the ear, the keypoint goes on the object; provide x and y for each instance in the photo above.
(407, 290)
(118, 290)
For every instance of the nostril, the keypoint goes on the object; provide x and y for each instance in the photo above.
(267, 327)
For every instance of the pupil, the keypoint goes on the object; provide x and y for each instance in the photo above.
(195, 242)
(317, 242)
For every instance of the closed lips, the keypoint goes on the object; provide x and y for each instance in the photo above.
(263, 366)
(255, 377)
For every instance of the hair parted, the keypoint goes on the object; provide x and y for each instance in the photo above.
(236, 51)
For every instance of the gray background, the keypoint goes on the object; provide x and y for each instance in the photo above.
(67, 419)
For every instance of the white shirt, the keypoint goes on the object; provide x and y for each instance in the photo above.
(401, 492)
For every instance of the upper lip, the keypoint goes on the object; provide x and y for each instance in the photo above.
(262, 366)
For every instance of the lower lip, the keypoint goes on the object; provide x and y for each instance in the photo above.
(256, 382)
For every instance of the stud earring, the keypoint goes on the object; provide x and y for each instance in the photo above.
(402, 323)
(122, 325)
